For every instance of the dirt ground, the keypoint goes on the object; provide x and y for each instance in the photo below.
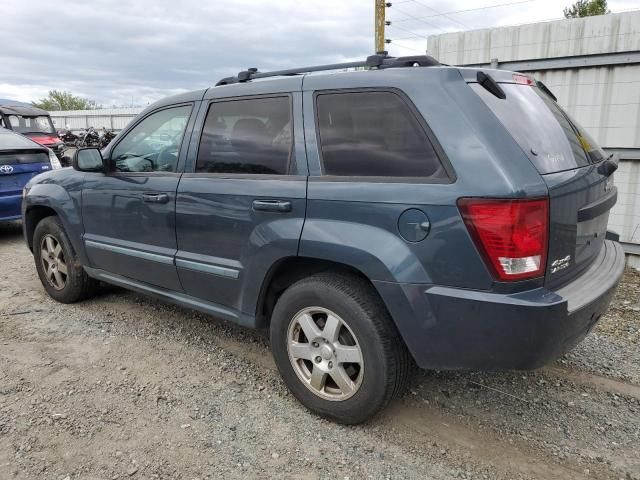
(123, 386)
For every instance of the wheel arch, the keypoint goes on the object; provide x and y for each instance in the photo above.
(287, 271)
(34, 215)
(49, 199)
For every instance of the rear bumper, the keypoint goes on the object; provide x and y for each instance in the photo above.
(10, 207)
(450, 328)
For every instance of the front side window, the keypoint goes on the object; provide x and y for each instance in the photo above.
(252, 135)
(373, 134)
(152, 145)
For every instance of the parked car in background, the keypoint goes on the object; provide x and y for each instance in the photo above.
(32, 122)
(20, 160)
(411, 212)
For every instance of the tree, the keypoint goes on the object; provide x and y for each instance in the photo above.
(57, 100)
(587, 8)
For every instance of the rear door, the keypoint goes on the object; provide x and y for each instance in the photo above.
(17, 167)
(242, 207)
(581, 190)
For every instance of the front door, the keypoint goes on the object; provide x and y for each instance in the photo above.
(129, 213)
(243, 205)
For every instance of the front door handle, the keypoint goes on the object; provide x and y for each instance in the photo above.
(272, 205)
(155, 198)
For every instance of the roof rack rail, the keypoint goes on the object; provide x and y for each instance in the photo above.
(373, 61)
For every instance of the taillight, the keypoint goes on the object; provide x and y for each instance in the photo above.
(512, 234)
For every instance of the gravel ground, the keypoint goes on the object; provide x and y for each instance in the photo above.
(123, 386)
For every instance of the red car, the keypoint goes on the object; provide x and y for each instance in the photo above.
(31, 122)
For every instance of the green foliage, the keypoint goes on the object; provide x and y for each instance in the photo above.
(587, 8)
(57, 100)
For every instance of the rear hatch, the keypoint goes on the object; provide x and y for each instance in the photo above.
(17, 167)
(576, 170)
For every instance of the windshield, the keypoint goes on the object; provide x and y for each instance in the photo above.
(38, 124)
(552, 140)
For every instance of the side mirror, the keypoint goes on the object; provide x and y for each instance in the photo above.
(88, 160)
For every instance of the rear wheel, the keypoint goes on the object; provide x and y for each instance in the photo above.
(336, 347)
(57, 265)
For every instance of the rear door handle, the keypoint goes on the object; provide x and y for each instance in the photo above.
(272, 205)
(155, 198)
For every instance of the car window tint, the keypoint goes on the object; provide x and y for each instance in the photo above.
(19, 158)
(152, 145)
(551, 139)
(373, 134)
(247, 136)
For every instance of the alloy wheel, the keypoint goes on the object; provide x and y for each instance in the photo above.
(53, 262)
(325, 353)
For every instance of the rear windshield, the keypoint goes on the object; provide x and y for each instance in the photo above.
(20, 158)
(552, 140)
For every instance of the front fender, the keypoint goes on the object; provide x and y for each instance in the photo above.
(378, 253)
(67, 206)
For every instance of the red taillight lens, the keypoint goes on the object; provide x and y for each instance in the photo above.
(512, 234)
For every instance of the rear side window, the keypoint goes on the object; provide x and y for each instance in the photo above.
(373, 134)
(252, 135)
(20, 158)
(552, 140)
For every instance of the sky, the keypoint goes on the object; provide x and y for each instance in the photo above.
(135, 52)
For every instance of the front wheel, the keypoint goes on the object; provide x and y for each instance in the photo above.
(57, 265)
(337, 348)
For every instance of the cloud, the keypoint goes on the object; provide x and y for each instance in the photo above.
(122, 52)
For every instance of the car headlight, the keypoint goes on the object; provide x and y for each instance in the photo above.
(53, 160)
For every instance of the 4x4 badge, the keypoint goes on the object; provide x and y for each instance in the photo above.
(6, 169)
(560, 264)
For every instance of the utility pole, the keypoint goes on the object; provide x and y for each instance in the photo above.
(379, 25)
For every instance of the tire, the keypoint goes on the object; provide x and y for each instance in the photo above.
(57, 264)
(365, 334)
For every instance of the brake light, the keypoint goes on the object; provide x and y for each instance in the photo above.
(511, 234)
(522, 79)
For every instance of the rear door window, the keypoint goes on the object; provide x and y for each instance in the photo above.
(22, 158)
(373, 134)
(552, 140)
(247, 136)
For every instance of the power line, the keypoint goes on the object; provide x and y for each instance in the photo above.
(439, 13)
(413, 17)
(413, 34)
(408, 48)
(465, 11)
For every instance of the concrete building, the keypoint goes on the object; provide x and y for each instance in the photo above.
(592, 65)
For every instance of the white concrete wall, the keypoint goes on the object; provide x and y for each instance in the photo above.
(625, 216)
(617, 32)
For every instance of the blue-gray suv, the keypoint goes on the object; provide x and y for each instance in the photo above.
(404, 212)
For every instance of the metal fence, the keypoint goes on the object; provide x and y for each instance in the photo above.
(113, 118)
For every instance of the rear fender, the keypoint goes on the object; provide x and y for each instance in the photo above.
(379, 254)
